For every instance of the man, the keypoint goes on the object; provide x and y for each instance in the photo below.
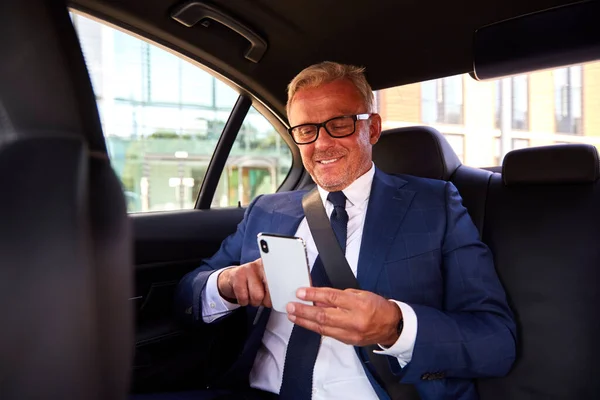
(430, 297)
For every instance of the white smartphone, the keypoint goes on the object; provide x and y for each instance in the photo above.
(286, 267)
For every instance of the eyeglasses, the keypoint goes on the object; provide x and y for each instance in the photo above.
(337, 127)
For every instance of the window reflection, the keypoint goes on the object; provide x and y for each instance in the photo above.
(162, 118)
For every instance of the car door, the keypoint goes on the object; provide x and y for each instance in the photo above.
(191, 152)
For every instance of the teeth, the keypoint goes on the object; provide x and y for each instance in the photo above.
(328, 161)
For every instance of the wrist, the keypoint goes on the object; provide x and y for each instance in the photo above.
(224, 286)
(395, 328)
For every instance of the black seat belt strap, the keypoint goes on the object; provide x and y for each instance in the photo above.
(338, 271)
(341, 277)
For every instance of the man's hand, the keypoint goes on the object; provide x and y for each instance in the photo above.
(245, 285)
(354, 317)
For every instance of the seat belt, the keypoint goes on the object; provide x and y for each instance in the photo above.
(341, 277)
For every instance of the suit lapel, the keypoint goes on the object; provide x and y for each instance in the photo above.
(388, 204)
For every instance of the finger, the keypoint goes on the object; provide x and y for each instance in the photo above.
(329, 316)
(267, 299)
(256, 289)
(343, 335)
(257, 266)
(240, 288)
(333, 297)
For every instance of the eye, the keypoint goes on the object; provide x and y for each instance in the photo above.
(341, 124)
(305, 130)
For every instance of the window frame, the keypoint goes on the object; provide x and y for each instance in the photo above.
(247, 98)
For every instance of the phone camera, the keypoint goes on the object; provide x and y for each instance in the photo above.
(264, 246)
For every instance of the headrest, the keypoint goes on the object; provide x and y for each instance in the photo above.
(419, 151)
(558, 164)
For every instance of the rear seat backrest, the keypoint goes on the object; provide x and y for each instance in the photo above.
(419, 151)
(423, 151)
(542, 222)
(541, 219)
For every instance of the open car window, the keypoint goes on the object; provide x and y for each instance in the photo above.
(162, 118)
(484, 120)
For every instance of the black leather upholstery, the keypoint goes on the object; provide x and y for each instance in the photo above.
(65, 248)
(544, 236)
(472, 184)
(542, 223)
(567, 163)
(545, 242)
(46, 280)
(419, 151)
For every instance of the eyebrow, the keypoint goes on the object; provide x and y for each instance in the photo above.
(327, 119)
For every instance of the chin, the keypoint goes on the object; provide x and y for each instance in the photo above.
(332, 185)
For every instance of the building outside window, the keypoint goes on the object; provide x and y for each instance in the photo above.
(567, 100)
(520, 143)
(539, 108)
(162, 117)
(442, 100)
(498, 104)
(457, 142)
(520, 102)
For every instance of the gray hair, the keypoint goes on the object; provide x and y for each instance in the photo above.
(327, 72)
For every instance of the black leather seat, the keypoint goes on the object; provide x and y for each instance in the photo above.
(542, 222)
(65, 247)
(541, 219)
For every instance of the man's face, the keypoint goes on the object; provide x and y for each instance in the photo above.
(334, 163)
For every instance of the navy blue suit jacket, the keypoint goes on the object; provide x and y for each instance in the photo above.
(419, 246)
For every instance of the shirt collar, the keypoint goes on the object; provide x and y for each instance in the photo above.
(358, 191)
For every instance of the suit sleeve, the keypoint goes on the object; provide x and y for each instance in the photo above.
(473, 336)
(188, 305)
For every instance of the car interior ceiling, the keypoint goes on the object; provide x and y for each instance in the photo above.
(324, 31)
(539, 214)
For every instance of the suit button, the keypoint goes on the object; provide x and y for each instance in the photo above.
(430, 376)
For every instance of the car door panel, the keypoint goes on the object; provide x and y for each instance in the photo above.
(170, 356)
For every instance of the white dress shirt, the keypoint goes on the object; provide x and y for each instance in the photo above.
(338, 373)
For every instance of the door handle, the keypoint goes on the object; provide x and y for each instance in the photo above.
(190, 13)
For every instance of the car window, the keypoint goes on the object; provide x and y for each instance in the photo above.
(258, 163)
(162, 117)
(485, 120)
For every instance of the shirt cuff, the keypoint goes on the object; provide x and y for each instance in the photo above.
(404, 346)
(213, 305)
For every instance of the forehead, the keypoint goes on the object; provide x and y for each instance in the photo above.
(316, 104)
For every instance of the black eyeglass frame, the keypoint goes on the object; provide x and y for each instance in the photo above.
(355, 118)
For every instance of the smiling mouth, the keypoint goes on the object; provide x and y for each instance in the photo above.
(330, 161)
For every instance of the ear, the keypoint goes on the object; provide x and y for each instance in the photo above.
(374, 128)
